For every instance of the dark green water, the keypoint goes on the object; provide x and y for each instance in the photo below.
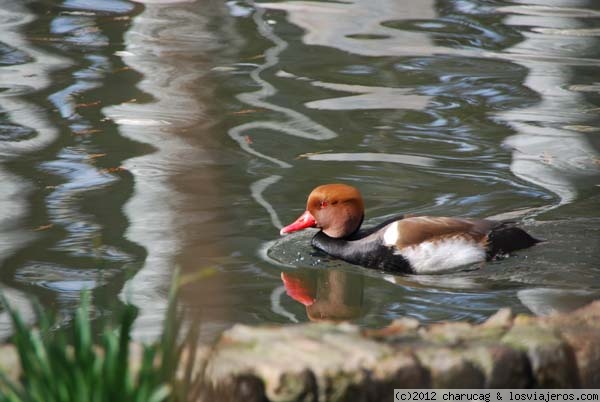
(139, 137)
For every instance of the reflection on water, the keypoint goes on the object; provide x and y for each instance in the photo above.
(547, 151)
(139, 137)
(546, 154)
(24, 128)
(543, 278)
(175, 204)
(357, 26)
(368, 98)
(333, 295)
(295, 124)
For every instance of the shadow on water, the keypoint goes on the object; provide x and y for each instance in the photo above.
(137, 137)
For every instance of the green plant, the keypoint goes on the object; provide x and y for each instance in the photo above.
(57, 368)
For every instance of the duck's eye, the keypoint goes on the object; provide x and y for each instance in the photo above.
(324, 204)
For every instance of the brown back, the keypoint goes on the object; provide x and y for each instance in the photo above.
(418, 229)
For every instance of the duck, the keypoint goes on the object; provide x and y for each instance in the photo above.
(405, 244)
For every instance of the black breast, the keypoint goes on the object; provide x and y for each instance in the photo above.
(368, 251)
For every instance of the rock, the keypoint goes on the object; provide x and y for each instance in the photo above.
(461, 333)
(503, 318)
(581, 331)
(401, 370)
(400, 329)
(551, 358)
(449, 368)
(503, 367)
(585, 344)
(448, 333)
(322, 362)
(329, 362)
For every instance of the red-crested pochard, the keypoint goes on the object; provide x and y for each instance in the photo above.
(415, 244)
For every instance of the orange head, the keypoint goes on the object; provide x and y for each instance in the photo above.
(337, 209)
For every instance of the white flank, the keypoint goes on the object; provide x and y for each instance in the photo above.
(390, 236)
(434, 257)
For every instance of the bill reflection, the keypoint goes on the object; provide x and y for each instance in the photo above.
(327, 295)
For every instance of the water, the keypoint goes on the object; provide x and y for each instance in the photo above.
(137, 137)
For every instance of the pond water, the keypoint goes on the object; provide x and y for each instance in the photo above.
(140, 137)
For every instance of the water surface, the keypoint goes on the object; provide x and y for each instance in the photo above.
(137, 137)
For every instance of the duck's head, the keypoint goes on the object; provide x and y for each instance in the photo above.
(337, 209)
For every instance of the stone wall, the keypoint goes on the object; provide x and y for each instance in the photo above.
(342, 362)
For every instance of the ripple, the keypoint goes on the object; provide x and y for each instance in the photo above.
(568, 32)
(323, 27)
(63, 279)
(443, 25)
(370, 98)
(412, 160)
(15, 89)
(585, 88)
(408, 99)
(78, 30)
(239, 9)
(549, 11)
(13, 132)
(294, 250)
(81, 175)
(356, 69)
(112, 6)
(141, 122)
(10, 56)
(366, 36)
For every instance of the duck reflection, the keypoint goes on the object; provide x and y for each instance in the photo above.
(328, 295)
